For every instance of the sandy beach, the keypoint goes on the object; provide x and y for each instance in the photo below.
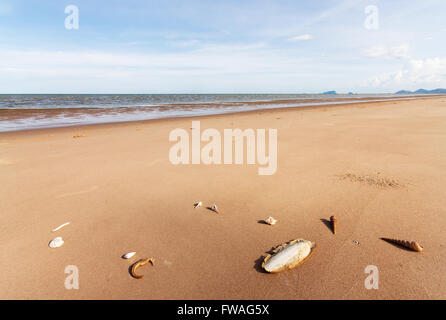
(379, 167)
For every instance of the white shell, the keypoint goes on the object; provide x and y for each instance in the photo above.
(289, 256)
(61, 226)
(213, 208)
(128, 255)
(56, 242)
(198, 204)
(271, 221)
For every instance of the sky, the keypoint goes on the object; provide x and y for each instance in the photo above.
(227, 46)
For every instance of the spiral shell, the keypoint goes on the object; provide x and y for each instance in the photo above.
(413, 245)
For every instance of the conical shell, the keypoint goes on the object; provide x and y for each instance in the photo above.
(334, 223)
(288, 256)
(413, 245)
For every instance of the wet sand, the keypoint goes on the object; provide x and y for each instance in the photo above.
(378, 167)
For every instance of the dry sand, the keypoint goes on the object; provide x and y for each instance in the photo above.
(378, 167)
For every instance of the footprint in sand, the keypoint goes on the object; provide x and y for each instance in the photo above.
(377, 180)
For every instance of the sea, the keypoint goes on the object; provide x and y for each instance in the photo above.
(34, 111)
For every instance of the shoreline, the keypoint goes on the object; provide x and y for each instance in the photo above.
(340, 104)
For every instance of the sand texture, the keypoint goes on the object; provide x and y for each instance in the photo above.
(379, 167)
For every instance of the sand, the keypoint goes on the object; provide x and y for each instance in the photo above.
(378, 167)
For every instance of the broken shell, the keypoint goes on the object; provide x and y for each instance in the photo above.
(288, 255)
(408, 244)
(128, 255)
(333, 223)
(140, 263)
(213, 208)
(60, 227)
(271, 221)
(198, 204)
(56, 242)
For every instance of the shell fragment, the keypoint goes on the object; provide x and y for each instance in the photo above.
(60, 227)
(271, 221)
(140, 263)
(198, 204)
(56, 242)
(213, 208)
(128, 255)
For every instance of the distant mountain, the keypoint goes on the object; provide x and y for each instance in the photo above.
(329, 92)
(422, 91)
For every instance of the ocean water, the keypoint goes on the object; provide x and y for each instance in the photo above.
(21, 112)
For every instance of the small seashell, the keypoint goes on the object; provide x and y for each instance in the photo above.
(60, 227)
(288, 255)
(140, 263)
(355, 241)
(128, 255)
(198, 204)
(56, 242)
(334, 223)
(213, 208)
(271, 221)
(412, 245)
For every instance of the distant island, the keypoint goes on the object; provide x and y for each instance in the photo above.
(422, 91)
(329, 92)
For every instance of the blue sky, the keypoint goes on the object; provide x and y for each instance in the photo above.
(208, 46)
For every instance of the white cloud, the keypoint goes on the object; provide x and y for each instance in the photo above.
(376, 51)
(301, 37)
(415, 74)
(400, 51)
(428, 70)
